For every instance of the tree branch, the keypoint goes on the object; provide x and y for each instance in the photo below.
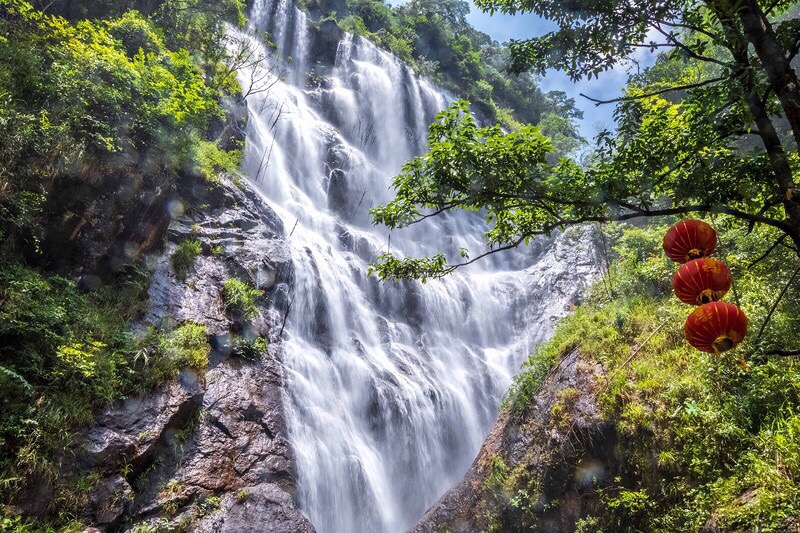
(769, 251)
(715, 37)
(784, 353)
(775, 305)
(656, 93)
(638, 213)
(691, 53)
(503, 248)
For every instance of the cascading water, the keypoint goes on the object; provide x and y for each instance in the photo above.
(390, 387)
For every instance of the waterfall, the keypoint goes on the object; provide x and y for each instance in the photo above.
(390, 387)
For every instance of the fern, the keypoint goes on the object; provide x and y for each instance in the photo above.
(16, 377)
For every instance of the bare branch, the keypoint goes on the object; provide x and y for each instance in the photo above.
(769, 251)
(691, 53)
(784, 353)
(775, 304)
(656, 93)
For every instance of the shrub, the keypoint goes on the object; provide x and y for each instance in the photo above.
(184, 257)
(163, 354)
(211, 160)
(189, 346)
(240, 298)
(251, 349)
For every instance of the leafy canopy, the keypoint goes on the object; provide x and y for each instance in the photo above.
(698, 132)
(509, 179)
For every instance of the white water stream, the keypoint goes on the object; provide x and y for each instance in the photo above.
(391, 387)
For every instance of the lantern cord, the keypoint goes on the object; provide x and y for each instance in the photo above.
(775, 305)
(720, 246)
(769, 251)
(635, 352)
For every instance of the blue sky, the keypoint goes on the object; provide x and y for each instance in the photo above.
(503, 28)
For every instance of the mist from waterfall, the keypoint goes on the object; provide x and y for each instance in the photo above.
(390, 387)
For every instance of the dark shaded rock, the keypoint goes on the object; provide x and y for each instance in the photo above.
(110, 499)
(98, 228)
(326, 37)
(131, 432)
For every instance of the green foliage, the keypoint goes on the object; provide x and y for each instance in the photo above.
(506, 175)
(706, 438)
(211, 161)
(92, 100)
(160, 355)
(109, 98)
(498, 473)
(136, 34)
(184, 257)
(188, 346)
(505, 118)
(251, 349)
(209, 505)
(562, 132)
(63, 353)
(199, 26)
(240, 298)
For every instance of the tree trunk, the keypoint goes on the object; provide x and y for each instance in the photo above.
(769, 136)
(773, 58)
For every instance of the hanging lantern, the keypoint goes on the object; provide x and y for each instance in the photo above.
(716, 327)
(701, 281)
(689, 239)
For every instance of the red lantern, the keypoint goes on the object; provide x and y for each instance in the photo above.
(701, 281)
(689, 239)
(716, 327)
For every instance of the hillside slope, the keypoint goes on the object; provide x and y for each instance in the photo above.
(618, 425)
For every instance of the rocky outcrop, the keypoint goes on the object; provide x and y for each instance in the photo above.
(209, 451)
(558, 452)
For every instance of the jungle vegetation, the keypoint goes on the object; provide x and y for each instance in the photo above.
(95, 98)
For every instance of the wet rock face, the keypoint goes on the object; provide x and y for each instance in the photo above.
(241, 237)
(566, 452)
(207, 452)
(98, 228)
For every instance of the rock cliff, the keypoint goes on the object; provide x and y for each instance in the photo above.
(208, 452)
